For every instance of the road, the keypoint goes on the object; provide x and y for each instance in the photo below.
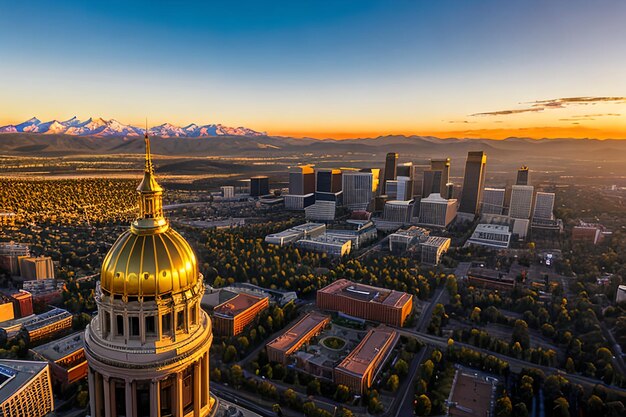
(427, 311)
(515, 363)
(405, 406)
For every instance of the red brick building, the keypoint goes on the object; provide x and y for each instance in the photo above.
(279, 349)
(366, 302)
(232, 316)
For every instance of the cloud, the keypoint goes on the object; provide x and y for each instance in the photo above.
(558, 103)
(507, 112)
(460, 121)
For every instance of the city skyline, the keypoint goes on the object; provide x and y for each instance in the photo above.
(451, 69)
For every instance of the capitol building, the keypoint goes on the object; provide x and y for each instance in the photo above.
(148, 346)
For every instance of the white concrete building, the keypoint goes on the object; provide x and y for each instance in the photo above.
(544, 206)
(357, 189)
(491, 235)
(434, 248)
(521, 201)
(493, 201)
(437, 211)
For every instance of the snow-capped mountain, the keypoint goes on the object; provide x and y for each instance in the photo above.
(112, 128)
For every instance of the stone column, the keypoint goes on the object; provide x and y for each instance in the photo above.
(179, 395)
(99, 404)
(107, 396)
(155, 398)
(205, 379)
(197, 384)
(92, 393)
(113, 397)
(128, 387)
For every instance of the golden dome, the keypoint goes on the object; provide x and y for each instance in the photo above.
(149, 265)
(150, 259)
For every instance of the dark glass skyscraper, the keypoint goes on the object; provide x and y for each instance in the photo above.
(328, 181)
(391, 163)
(436, 178)
(473, 182)
(522, 176)
(259, 186)
(302, 181)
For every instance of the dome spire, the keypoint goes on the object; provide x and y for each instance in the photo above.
(151, 219)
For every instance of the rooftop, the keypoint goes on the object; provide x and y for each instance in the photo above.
(15, 374)
(60, 348)
(436, 241)
(470, 396)
(360, 359)
(363, 292)
(236, 305)
(291, 337)
(46, 318)
(491, 227)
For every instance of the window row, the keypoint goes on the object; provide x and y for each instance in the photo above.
(176, 322)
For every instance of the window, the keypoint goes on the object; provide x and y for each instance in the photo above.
(166, 323)
(119, 325)
(150, 328)
(106, 328)
(180, 320)
(192, 314)
(134, 326)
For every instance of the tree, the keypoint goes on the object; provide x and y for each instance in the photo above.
(230, 354)
(520, 334)
(342, 394)
(475, 315)
(401, 367)
(423, 405)
(216, 375)
(291, 398)
(345, 412)
(313, 387)
(277, 410)
(504, 407)
(595, 406)
(427, 369)
(520, 410)
(561, 408)
(451, 285)
(393, 383)
(236, 375)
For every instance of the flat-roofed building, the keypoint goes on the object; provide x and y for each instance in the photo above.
(328, 180)
(48, 324)
(487, 278)
(491, 235)
(22, 302)
(434, 248)
(473, 182)
(493, 201)
(471, 395)
(228, 191)
(359, 232)
(10, 254)
(358, 370)
(521, 201)
(321, 211)
(544, 206)
(293, 234)
(299, 202)
(279, 349)
(397, 211)
(66, 357)
(437, 211)
(401, 240)
(25, 388)
(366, 302)
(302, 180)
(259, 186)
(328, 244)
(587, 233)
(358, 189)
(40, 267)
(232, 316)
(7, 311)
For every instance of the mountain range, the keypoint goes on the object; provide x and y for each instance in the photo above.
(100, 127)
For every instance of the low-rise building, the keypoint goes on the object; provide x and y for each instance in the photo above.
(232, 316)
(10, 254)
(487, 278)
(321, 211)
(403, 239)
(588, 233)
(359, 369)
(293, 234)
(491, 235)
(22, 302)
(66, 357)
(358, 231)
(48, 324)
(434, 248)
(398, 211)
(33, 268)
(366, 302)
(25, 388)
(326, 244)
(279, 349)
(7, 312)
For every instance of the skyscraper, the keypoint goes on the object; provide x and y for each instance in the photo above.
(391, 161)
(148, 346)
(523, 177)
(302, 180)
(357, 189)
(328, 180)
(473, 182)
(259, 186)
(404, 190)
(436, 178)
(521, 201)
(544, 206)
(493, 201)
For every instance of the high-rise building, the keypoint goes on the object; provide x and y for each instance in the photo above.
(473, 182)
(328, 180)
(404, 170)
(404, 190)
(375, 177)
(391, 189)
(391, 161)
(521, 201)
(357, 189)
(439, 176)
(523, 176)
(299, 202)
(544, 206)
(398, 211)
(493, 201)
(259, 186)
(437, 211)
(228, 191)
(302, 180)
(148, 346)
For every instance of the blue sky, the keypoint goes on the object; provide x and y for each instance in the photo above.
(313, 68)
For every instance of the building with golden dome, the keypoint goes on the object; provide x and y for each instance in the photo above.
(148, 346)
